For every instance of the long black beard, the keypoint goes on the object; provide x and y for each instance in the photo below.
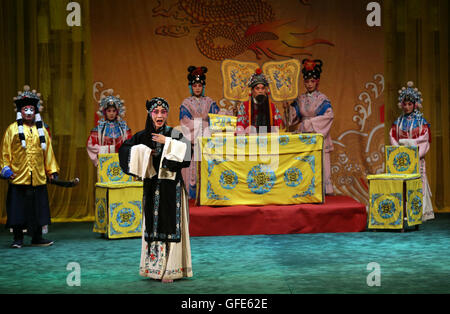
(263, 116)
(261, 99)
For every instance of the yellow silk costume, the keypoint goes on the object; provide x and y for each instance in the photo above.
(30, 165)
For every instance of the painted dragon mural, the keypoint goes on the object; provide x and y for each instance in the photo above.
(244, 25)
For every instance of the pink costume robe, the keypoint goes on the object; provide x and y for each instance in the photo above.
(107, 137)
(314, 113)
(417, 130)
(194, 121)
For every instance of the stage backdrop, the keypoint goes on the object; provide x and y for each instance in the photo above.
(142, 49)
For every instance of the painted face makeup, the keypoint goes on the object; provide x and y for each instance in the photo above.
(28, 114)
(311, 85)
(259, 89)
(111, 113)
(197, 89)
(408, 107)
(159, 116)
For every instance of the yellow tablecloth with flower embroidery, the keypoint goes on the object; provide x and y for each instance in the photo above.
(118, 200)
(261, 169)
(402, 159)
(392, 198)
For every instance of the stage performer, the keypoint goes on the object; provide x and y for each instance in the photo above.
(111, 131)
(259, 111)
(27, 161)
(411, 129)
(194, 120)
(313, 113)
(157, 154)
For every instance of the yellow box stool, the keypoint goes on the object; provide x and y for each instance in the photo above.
(118, 200)
(402, 159)
(392, 197)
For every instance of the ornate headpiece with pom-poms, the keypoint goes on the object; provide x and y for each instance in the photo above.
(258, 78)
(25, 98)
(197, 75)
(312, 68)
(410, 93)
(109, 100)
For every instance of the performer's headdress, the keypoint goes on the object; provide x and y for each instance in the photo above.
(155, 102)
(29, 98)
(258, 78)
(149, 127)
(410, 94)
(311, 69)
(197, 75)
(109, 100)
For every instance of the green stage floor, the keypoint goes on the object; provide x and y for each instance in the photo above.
(410, 262)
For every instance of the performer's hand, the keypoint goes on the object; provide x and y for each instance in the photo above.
(7, 173)
(407, 142)
(158, 138)
(307, 127)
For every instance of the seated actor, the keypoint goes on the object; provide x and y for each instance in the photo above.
(258, 114)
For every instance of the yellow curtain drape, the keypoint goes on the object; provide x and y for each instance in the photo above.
(417, 50)
(40, 49)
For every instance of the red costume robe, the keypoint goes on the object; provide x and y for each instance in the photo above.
(247, 117)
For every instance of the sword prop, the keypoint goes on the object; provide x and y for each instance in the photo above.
(64, 183)
(58, 182)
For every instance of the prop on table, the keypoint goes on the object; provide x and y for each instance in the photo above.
(222, 124)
